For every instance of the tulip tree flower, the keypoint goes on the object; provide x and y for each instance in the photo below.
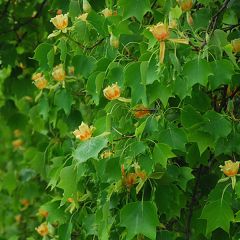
(61, 23)
(84, 132)
(112, 92)
(236, 45)
(39, 80)
(230, 169)
(42, 230)
(59, 73)
(161, 32)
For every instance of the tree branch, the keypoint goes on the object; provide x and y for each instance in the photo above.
(212, 25)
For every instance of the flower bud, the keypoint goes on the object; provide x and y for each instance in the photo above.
(18, 218)
(25, 202)
(230, 168)
(160, 31)
(107, 12)
(17, 143)
(42, 229)
(59, 11)
(17, 133)
(42, 213)
(186, 5)
(130, 180)
(236, 45)
(112, 92)
(141, 111)
(189, 19)
(70, 200)
(86, 6)
(60, 21)
(58, 73)
(114, 41)
(83, 132)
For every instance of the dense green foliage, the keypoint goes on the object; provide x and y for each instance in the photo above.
(148, 168)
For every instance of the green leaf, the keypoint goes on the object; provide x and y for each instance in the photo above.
(63, 100)
(55, 212)
(203, 140)
(169, 200)
(217, 210)
(133, 80)
(9, 182)
(218, 215)
(136, 8)
(216, 124)
(97, 21)
(174, 137)
(159, 91)
(190, 117)
(139, 130)
(63, 48)
(149, 71)
(182, 175)
(90, 148)
(84, 65)
(161, 153)
(41, 55)
(74, 8)
(139, 218)
(197, 71)
(68, 181)
(94, 85)
(65, 231)
(43, 107)
(222, 73)
(217, 42)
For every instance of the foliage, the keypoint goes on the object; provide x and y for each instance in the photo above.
(115, 117)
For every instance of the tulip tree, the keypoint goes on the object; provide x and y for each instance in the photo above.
(120, 119)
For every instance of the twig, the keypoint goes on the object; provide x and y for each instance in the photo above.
(212, 25)
(231, 27)
(234, 93)
(81, 45)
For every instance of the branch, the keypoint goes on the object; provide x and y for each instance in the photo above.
(212, 25)
(81, 45)
(231, 27)
(234, 93)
